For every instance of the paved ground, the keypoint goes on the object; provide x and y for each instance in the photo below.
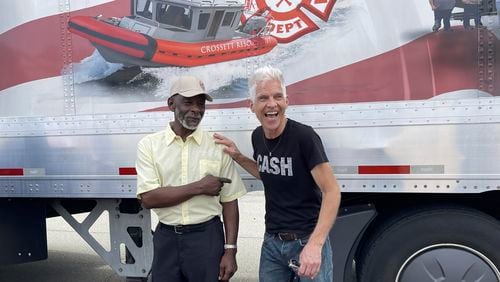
(71, 259)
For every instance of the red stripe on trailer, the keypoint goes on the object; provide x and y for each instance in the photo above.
(127, 171)
(384, 169)
(11, 171)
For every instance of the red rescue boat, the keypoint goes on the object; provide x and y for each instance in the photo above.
(181, 33)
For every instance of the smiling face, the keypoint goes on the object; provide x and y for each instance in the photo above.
(269, 105)
(188, 112)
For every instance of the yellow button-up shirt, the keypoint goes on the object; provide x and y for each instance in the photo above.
(164, 159)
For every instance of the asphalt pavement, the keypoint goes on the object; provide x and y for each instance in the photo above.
(72, 259)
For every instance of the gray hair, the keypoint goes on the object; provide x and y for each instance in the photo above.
(266, 73)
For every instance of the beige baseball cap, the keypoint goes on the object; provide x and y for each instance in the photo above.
(188, 86)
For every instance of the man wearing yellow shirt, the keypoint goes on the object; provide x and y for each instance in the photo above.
(189, 182)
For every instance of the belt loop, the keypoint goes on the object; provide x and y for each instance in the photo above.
(178, 229)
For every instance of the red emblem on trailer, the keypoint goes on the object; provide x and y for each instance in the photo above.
(288, 20)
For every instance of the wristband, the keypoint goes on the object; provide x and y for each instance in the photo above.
(230, 246)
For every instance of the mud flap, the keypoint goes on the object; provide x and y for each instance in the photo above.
(348, 229)
(23, 230)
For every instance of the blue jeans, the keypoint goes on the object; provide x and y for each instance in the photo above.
(472, 11)
(444, 15)
(275, 255)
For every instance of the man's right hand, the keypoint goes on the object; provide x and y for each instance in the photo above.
(231, 149)
(211, 185)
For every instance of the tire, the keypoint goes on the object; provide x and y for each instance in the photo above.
(138, 279)
(437, 244)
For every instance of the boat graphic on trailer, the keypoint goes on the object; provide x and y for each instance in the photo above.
(177, 33)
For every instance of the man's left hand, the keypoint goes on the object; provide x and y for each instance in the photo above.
(310, 260)
(228, 265)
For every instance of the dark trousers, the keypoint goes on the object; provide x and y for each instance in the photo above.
(193, 255)
(472, 11)
(444, 15)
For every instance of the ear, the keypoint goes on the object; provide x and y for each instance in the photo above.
(170, 103)
(251, 107)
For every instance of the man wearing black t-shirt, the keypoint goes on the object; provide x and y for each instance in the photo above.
(302, 194)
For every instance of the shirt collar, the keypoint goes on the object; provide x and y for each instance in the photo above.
(170, 135)
(197, 135)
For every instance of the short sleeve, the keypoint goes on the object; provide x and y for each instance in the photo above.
(312, 148)
(147, 176)
(235, 189)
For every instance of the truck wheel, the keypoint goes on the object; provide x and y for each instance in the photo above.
(434, 245)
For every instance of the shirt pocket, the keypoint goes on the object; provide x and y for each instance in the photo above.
(209, 167)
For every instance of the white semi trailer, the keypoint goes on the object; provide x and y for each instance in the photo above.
(410, 120)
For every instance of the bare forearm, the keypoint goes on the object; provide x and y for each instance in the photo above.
(248, 164)
(327, 216)
(169, 196)
(173, 195)
(231, 217)
(330, 203)
(228, 265)
(232, 150)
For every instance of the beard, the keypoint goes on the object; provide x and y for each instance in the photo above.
(190, 125)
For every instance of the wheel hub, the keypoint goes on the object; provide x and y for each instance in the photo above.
(446, 263)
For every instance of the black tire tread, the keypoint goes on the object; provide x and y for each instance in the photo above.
(378, 241)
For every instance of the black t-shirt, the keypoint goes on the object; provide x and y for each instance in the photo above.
(293, 199)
